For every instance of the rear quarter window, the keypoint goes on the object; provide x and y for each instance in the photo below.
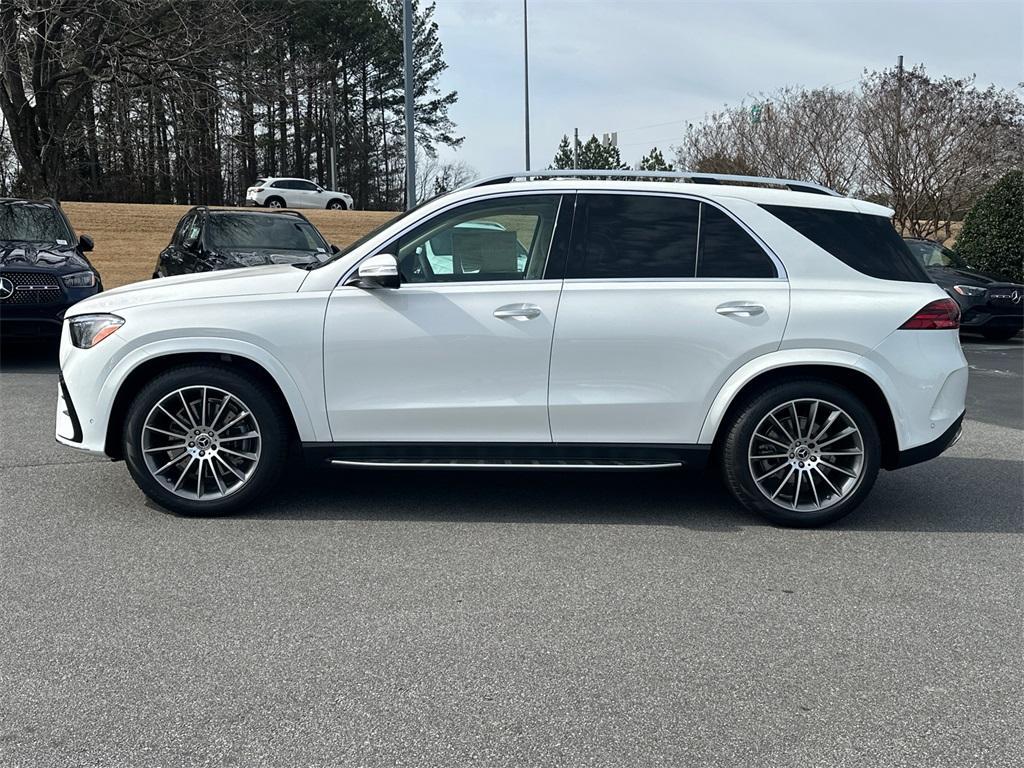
(867, 243)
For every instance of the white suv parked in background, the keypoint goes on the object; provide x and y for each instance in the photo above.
(790, 337)
(295, 193)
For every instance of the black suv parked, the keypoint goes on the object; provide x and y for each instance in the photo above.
(43, 268)
(990, 305)
(215, 238)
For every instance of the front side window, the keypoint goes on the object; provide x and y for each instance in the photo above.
(503, 239)
(247, 231)
(634, 236)
(32, 223)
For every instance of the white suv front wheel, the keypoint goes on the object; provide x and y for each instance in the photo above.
(205, 440)
(802, 453)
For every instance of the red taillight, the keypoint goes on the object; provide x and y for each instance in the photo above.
(258, 189)
(943, 315)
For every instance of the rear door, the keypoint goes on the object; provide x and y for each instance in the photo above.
(665, 296)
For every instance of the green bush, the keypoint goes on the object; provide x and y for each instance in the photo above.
(992, 239)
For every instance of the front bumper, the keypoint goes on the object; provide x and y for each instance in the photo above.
(25, 321)
(930, 450)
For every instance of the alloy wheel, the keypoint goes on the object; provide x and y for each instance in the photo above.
(806, 455)
(201, 443)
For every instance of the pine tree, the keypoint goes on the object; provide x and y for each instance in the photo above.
(654, 161)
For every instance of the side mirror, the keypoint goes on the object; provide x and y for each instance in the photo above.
(380, 271)
(86, 242)
(335, 249)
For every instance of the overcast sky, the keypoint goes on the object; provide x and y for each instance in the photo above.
(645, 67)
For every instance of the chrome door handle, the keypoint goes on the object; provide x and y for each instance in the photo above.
(517, 312)
(740, 309)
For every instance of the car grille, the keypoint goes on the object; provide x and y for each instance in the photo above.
(33, 288)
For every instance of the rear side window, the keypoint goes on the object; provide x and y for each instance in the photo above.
(865, 242)
(634, 236)
(727, 251)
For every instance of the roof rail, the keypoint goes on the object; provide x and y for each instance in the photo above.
(694, 177)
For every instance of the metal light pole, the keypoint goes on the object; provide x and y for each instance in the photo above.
(526, 81)
(410, 136)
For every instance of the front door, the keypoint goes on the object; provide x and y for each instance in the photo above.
(665, 296)
(460, 352)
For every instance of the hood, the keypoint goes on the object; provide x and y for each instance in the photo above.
(204, 285)
(950, 276)
(258, 257)
(61, 258)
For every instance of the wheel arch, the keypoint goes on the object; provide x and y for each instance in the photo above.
(153, 366)
(854, 379)
(344, 205)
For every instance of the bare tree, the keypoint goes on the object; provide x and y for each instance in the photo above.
(795, 133)
(926, 147)
(933, 146)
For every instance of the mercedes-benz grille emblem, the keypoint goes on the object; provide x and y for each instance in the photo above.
(1015, 296)
(6, 288)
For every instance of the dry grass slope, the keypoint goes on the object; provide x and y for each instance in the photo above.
(129, 237)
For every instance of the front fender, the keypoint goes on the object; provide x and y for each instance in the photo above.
(309, 428)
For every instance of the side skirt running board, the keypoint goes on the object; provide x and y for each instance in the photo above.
(517, 464)
(566, 456)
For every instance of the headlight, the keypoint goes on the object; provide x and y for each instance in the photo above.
(89, 330)
(80, 280)
(969, 290)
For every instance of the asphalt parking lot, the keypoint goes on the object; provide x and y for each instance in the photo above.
(472, 619)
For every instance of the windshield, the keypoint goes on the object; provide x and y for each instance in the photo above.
(285, 233)
(33, 223)
(933, 255)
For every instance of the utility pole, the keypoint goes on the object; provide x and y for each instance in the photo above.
(410, 135)
(334, 129)
(526, 82)
(575, 148)
(898, 175)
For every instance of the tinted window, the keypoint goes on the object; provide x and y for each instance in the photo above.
(305, 186)
(281, 185)
(867, 243)
(727, 251)
(263, 231)
(504, 239)
(624, 236)
(32, 222)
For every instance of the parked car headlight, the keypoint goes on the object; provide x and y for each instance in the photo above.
(89, 330)
(969, 290)
(80, 280)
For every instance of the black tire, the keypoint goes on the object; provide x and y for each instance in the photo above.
(999, 334)
(274, 202)
(736, 465)
(337, 205)
(268, 412)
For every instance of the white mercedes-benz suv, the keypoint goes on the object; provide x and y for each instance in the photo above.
(272, 192)
(781, 331)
